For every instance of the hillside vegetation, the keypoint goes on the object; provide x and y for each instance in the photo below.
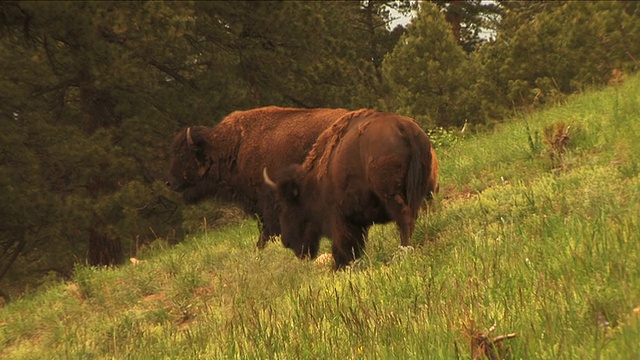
(93, 92)
(536, 230)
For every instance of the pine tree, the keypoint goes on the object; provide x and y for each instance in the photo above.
(425, 71)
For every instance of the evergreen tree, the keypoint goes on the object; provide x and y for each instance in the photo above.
(545, 50)
(316, 55)
(76, 138)
(93, 92)
(426, 71)
(470, 20)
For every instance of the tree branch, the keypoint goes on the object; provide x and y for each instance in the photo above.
(174, 74)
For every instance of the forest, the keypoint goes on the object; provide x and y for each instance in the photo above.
(92, 92)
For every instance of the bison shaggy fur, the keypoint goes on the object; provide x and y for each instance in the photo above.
(368, 167)
(226, 161)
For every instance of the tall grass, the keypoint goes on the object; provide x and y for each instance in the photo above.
(541, 240)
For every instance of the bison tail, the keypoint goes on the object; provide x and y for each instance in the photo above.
(417, 175)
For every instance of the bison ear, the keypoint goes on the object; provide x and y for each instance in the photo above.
(290, 190)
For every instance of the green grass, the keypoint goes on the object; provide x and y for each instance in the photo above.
(546, 247)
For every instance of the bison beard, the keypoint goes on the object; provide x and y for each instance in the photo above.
(367, 168)
(226, 161)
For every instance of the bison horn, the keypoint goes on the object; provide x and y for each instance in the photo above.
(189, 138)
(267, 179)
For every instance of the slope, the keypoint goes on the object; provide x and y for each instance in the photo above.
(536, 231)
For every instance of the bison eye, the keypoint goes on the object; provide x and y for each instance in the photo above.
(290, 190)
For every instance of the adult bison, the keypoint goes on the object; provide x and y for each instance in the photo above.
(226, 161)
(367, 168)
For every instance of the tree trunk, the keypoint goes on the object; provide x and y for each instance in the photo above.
(104, 250)
(4, 268)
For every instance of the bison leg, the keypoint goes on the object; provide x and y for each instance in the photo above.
(348, 243)
(400, 213)
(269, 229)
(311, 242)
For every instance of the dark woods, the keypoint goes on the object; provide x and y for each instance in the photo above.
(92, 92)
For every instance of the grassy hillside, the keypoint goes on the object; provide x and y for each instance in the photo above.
(536, 231)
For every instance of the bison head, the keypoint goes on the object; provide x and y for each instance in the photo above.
(189, 161)
(298, 231)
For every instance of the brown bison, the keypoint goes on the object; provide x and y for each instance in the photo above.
(367, 168)
(226, 161)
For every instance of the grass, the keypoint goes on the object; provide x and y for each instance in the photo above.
(535, 235)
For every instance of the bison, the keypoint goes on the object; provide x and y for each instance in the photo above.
(368, 167)
(226, 161)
